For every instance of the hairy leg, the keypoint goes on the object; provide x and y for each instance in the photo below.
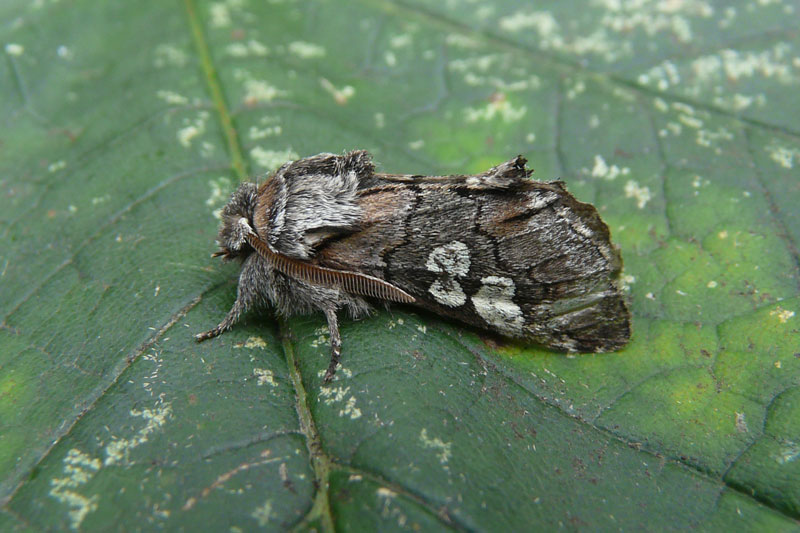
(230, 319)
(336, 344)
(246, 296)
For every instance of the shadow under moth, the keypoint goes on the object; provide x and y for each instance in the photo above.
(495, 250)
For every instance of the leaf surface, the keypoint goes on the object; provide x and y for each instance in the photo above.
(127, 124)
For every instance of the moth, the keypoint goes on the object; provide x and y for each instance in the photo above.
(495, 250)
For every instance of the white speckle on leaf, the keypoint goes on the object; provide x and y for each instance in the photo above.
(788, 453)
(783, 155)
(263, 513)
(741, 102)
(118, 450)
(192, 128)
(445, 448)
(461, 41)
(674, 128)
(97, 200)
(541, 21)
(253, 342)
(264, 377)
(58, 165)
(692, 122)
(712, 284)
(14, 49)
(664, 76)
(400, 41)
(728, 15)
(550, 36)
(340, 96)
(172, 97)
(575, 90)
(251, 48)
(272, 159)
(641, 194)
(64, 52)
(306, 50)
(331, 395)
(783, 314)
(654, 17)
(259, 91)
(498, 106)
(220, 15)
(256, 133)
(350, 409)
(220, 189)
(493, 302)
(741, 423)
(626, 280)
(186, 134)
(602, 170)
(76, 457)
(168, 55)
(79, 469)
(707, 137)
(416, 145)
(733, 65)
(484, 63)
(321, 337)
(484, 71)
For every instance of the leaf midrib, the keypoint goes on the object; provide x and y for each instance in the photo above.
(320, 462)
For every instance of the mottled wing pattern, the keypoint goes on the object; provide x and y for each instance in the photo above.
(495, 250)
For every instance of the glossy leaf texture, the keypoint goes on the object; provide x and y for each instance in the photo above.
(125, 125)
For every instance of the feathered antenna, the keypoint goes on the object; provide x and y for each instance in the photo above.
(352, 282)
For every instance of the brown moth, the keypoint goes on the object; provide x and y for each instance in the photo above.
(495, 250)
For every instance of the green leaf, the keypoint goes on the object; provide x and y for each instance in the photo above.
(126, 125)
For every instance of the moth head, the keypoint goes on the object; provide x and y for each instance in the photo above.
(231, 238)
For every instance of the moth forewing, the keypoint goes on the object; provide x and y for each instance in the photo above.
(527, 262)
(495, 250)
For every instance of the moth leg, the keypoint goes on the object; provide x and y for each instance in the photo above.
(232, 318)
(336, 344)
